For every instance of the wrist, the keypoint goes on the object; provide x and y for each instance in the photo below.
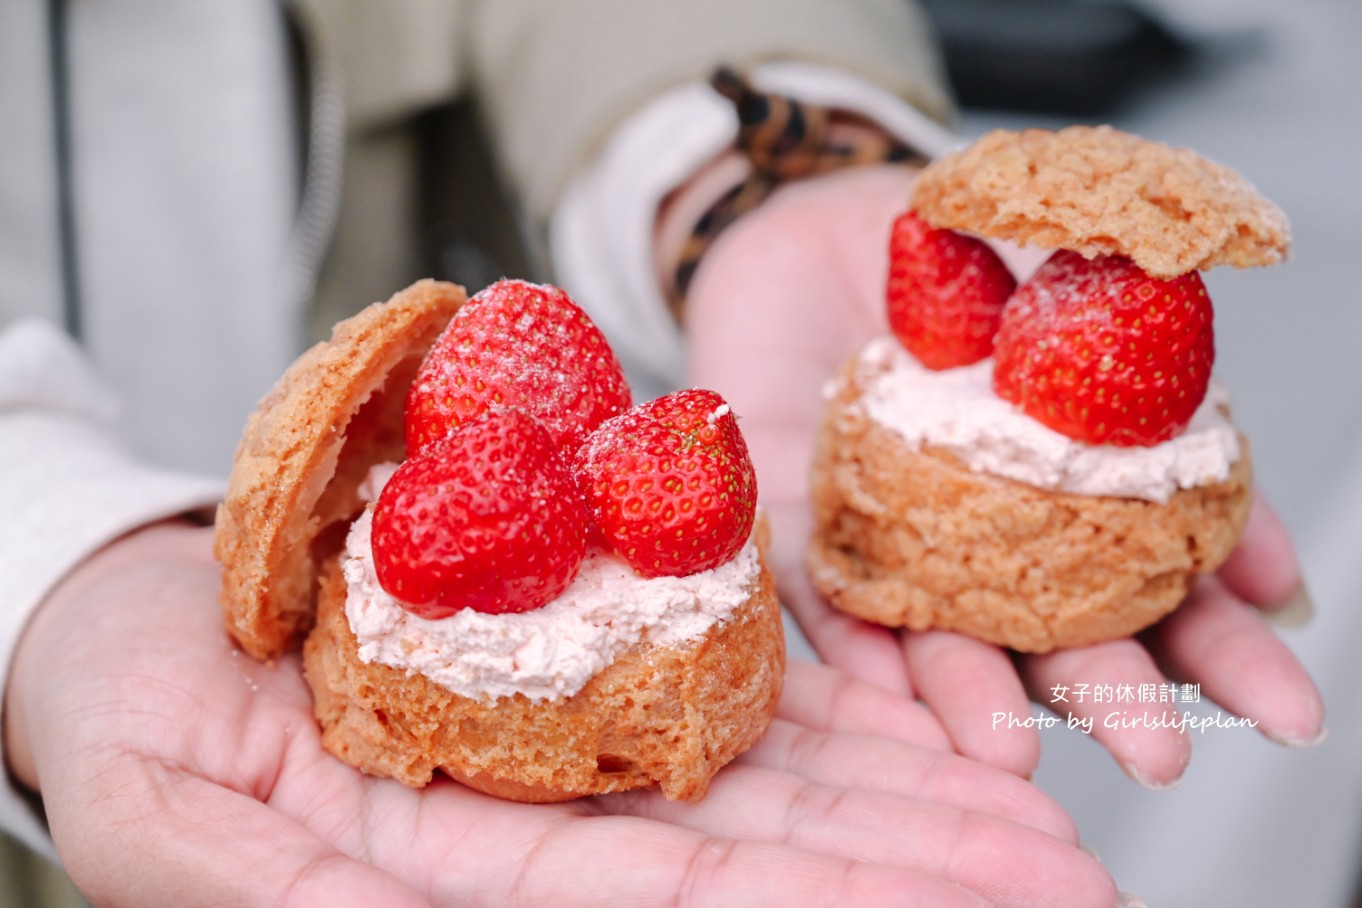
(51, 637)
(686, 205)
(780, 140)
(782, 298)
(825, 235)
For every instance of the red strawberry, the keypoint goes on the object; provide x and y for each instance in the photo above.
(519, 345)
(488, 518)
(945, 293)
(1103, 353)
(670, 484)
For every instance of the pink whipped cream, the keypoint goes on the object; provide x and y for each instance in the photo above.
(547, 653)
(957, 410)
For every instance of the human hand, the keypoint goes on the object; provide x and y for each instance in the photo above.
(780, 300)
(176, 770)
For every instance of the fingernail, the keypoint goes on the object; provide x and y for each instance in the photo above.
(1126, 900)
(1296, 611)
(1295, 741)
(1130, 770)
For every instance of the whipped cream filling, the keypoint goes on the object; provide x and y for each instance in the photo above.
(546, 653)
(957, 410)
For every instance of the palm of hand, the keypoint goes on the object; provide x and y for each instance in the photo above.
(177, 770)
(778, 303)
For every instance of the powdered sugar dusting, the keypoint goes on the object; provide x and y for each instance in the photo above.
(522, 345)
(956, 410)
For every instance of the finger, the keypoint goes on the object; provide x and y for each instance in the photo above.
(146, 827)
(594, 852)
(969, 684)
(1263, 569)
(1098, 689)
(861, 649)
(1007, 863)
(1214, 641)
(825, 699)
(872, 763)
(658, 864)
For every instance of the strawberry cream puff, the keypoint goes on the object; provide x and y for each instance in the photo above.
(495, 564)
(1051, 463)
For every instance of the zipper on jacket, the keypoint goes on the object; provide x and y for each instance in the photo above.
(320, 199)
(60, 64)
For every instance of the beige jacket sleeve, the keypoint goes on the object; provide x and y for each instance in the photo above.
(551, 80)
(555, 78)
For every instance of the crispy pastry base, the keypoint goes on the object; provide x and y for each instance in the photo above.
(913, 538)
(664, 716)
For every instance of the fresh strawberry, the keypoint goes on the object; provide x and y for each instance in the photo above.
(487, 518)
(519, 345)
(1102, 352)
(945, 293)
(670, 485)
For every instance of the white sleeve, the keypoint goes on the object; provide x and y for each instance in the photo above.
(66, 489)
(600, 235)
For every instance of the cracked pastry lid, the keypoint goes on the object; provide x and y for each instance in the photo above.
(336, 411)
(1097, 190)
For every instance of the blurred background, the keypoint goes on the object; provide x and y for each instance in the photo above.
(1271, 90)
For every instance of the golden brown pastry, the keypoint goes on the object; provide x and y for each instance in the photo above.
(662, 712)
(1046, 463)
